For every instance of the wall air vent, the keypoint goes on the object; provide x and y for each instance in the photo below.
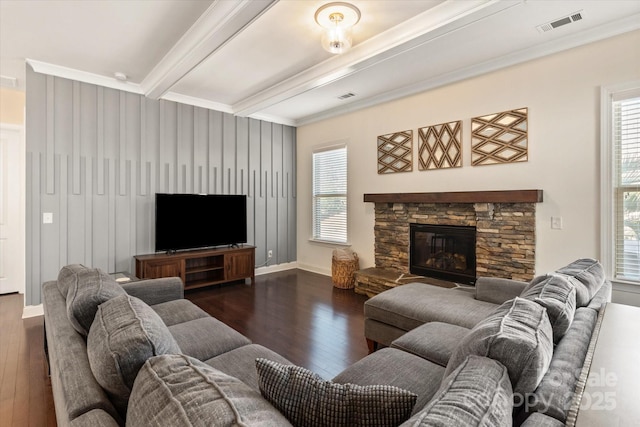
(346, 95)
(8, 81)
(577, 16)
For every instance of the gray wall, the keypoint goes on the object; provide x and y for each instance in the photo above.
(97, 156)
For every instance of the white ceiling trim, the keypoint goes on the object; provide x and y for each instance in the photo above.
(273, 119)
(221, 22)
(630, 23)
(197, 102)
(83, 76)
(429, 25)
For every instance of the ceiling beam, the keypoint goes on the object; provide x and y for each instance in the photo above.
(222, 21)
(423, 28)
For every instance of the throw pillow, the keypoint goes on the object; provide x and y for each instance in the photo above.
(558, 295)
(518, 335)
(178, 390)
(309, 401)
(478, 393)
(90, 288)
(126, 332)
(588, 277)
(67, 275)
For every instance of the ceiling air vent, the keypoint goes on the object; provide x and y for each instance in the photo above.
(346, 95)
(560, 22)
(8, 81)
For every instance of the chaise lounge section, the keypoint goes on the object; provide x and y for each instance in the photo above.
(432, 323)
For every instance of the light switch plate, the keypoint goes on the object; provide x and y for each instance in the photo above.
(47, 217)
(556, 222)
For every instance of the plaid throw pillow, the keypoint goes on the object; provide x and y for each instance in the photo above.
(309, 401)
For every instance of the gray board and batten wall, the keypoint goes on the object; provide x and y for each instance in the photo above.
(96, 157)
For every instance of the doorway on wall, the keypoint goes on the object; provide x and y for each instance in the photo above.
(12, 209)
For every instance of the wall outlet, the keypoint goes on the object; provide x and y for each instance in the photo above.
(556, 222)
(270, 254)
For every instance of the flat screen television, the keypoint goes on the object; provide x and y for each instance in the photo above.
(192, 221)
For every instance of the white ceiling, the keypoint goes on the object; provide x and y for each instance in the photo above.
(263, 59)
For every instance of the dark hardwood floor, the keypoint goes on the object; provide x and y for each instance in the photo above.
(295, 313)
(25, 390)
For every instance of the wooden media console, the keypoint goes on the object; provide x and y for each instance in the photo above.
(200, 268)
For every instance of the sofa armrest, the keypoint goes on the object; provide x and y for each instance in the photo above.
(497, 290)
(156, 291)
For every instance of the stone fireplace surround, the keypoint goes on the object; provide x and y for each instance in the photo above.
(505, 227)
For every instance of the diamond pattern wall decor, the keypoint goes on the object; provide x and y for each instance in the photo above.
(440, 146)
(395, 152)
(499, 138)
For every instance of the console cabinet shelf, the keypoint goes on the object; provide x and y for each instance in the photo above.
(200, 268)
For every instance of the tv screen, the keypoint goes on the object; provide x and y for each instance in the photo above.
(190, 221)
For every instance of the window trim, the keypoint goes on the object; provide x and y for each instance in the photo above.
(320, 149)
(607, 180)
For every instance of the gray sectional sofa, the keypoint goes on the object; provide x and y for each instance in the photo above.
(140, 354)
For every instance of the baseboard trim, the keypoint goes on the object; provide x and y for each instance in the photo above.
(275, 268)
(314, 269)
(32, 311)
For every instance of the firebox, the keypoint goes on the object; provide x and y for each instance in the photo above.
(444, 252)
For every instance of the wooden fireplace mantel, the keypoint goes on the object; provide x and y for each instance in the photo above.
(508, 196)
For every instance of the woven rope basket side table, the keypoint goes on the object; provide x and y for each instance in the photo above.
(342, 272)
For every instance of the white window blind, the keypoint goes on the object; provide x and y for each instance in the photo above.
(330, 195)
(626, 192)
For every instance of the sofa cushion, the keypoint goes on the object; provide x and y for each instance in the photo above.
(125, 333)
(498, 290)
(538, 419)
(477, 393)
(235, 362)
(556, 390)
(89, 288)
(434, 341)
(67, 275)
(206, 337)
(72, 382)
(178, 390)
(588, 276)
(518, 335)
(409, 372)
(178, 311)
(94, 418)
(408, 306)
(308, 401)
(557, 294)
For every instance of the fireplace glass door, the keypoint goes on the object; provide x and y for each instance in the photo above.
(443, 252)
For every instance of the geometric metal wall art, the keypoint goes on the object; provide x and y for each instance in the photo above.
(395, 152)
(440, 146)
(499, 138)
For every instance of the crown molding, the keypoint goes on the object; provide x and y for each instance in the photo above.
(197, 102)
(273, 119)
(83, 76)
(221, 22)
(628, 24)
(225, 108)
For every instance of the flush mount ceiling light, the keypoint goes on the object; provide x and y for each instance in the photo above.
(337, 19)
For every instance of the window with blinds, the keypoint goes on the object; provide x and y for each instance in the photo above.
(330, 195)
(625, 129)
